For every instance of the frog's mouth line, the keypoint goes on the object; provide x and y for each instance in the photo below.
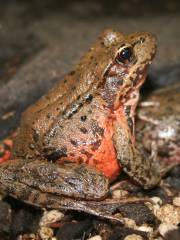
(140, 77)
(140, 81)
(136, 85)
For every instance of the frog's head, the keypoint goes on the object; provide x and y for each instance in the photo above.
(115, 66)
(129, 57)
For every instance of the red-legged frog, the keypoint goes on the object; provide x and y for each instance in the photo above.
(77, 138)
(158, 129)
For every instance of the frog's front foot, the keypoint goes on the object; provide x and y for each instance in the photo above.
(135, 162)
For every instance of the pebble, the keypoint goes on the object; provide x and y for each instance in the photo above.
(119, 194)
(157, 200)
(46, 233)
(30, 236)
(50, 217)
(96, 237)
(164, 228)
(130, 223)
(168, 214)
(176, 201)
(155, 204)
(133, 237)
(145, 228)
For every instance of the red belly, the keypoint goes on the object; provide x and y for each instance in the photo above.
(103, 157)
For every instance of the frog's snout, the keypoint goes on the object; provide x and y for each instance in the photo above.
(150, 42)
(145, 45)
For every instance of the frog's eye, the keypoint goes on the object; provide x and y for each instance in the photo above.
(125, 55)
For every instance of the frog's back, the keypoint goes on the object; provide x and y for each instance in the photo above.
(37, 119)
(70, 93)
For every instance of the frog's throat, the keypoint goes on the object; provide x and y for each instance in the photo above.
(127, 107)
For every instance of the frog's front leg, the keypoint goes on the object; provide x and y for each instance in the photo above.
(77, 181)
(136, 163)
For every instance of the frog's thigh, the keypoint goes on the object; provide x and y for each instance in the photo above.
(71, 180)
(138, 166)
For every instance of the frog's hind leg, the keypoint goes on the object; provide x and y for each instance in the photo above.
(103, 208)
(42, 185)
(70, 180)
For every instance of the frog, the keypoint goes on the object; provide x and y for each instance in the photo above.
(76, 140)
(158, 124)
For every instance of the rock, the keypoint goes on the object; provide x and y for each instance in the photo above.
(173, 234)
(168, 214)
(46, 233)
(30, 236)
(25, 220)
(157, 200)
(118, 194)
(145, 228)
(133, 237)
(50, 217)
(176, 201)
(164, 228)
(130, 223)
(97, 237)
(122, 232)
(73, 230)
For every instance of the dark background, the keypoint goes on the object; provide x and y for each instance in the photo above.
(40, 41)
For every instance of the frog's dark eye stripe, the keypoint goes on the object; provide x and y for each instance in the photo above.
(125, 55)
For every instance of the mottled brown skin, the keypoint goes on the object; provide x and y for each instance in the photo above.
(88, 118)
(159, 124)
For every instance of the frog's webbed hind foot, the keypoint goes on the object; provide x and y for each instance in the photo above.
(106, 209)
(78, 181)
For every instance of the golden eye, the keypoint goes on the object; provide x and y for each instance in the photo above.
(125, 55)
